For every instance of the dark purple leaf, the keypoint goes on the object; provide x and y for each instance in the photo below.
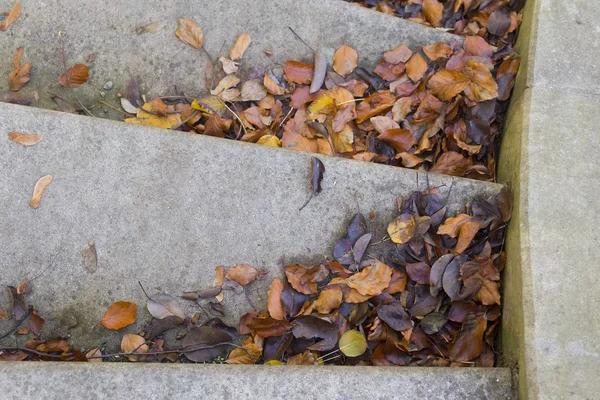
(395, 316)
(15, 98)
(158, 326)
(133, 93)
(276, 346)
(361, 246)
(309, 327)
(357, 228)
(451, 279)
(205, 343)
(343, 251)
(437, 272)
(17, 304)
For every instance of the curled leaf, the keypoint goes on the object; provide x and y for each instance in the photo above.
(38, 190)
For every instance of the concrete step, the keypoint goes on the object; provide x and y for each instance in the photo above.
(162, 62)
(50, 380)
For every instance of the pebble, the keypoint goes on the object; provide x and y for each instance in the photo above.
(108, 85)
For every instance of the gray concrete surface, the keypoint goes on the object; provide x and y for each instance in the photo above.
(164, 64)
(549, 156)
(165, 208)
(184, 381)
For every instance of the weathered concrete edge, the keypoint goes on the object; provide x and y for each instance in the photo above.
(519, 315)
(174, 381)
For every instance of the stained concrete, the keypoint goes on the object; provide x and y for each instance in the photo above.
(159, 381)
(549, 157)
(164, 64)
(165, 208)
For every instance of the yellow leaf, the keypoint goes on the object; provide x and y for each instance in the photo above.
(323, 104)
(451, 226)
(226, 83)
(269, 140)
(402, 229)
(342, 140)
(143, 118)
(189, 32)
(353, 343)
(274, 362)
(210, 105)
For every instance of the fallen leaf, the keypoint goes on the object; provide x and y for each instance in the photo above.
(242, 274)
(305, 280)
(162, 306)
(189, 32)
(306, 358)
(149, 28)
(12, 16)
(133, 93)
(298, 72)
(250, 353)
(204, 343)
(275, 306)
(229, 66)
(328, 300)
(400, 139)
(17, 304)
(468, 343)
(253, 90)
(19, 77)
(318, 169)
(345, 60)
(438, 50)
(267, 327)
(95, 353)
(468, 230)
(159, 326)
(400, 54)
(76, 76)
(419, 272)
(395, 316)
(451, 163)
(451, 226)
(38, 190)
(15, 98)
(433, 12)
(481, 282)
(311, 327)
(148, 119)
(352, 343)
(227, 82)
(372, 280)
(272, 87)
(446, 84)
(217, 126)
(36, 323)
(133, 344)
(416, 67)
(25, 139)
(240, 46)
(477, 46)
(269, 140)
(319, 72)
(3, 315)
(498, 23)
(127, 106)
(482, 86)
(90, 258)
(53, 345)
(119, 315)
(376, 103)
(218, 281)
(402, 229)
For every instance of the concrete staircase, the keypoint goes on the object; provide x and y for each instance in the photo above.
(165, 208)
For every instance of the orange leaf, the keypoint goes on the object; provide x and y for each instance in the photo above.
(250, 353)
(298, 72)
(304, 280)
(133, 344)
(329, 299)
(19, 76)
(482, 86)
(189, 32)
(3, 315)
(38, 190)
(400, 54)
(438, 50)
(25, 139)
(345, 60)
(376, 103)
(242, 274)
(446, 84)
(15, 12)
(372, 280)
(53, 345)
(272, 87)
(267, 327)
(94, 353)
(119, 315)
(467, 232)
(275, 305)
(400, 139)
(433, 11)
(77, 75)
(451, 226)
(218, 281)
(451, 163)
(416, 67)
(239, 48)
(477, 46)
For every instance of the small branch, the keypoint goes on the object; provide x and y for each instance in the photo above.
(143, 290)
(186, 120)
(17, 325)
(302, 40)
(115, 108)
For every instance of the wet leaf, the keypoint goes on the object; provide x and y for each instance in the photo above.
(372, 280)
(498, 23)
(352, 343)
(205, 343)
(38, 190)
(76, 76)
(267, 327)
(25, 139)
(481, 282)
(310, 327)
(119, 315)
(240, 47)
(298, 72)
(402, 229)
(162, 306)
(345, 60)
(242, 274)
(189, 32)
(12, 16)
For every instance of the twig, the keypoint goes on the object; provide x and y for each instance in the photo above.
(284, 118)
(64, 58)
(238, 117)
(186, 120)
(143, 290)
(114, 108)
(14, 328)
(307, 201)
(302, 40)
(26, 350)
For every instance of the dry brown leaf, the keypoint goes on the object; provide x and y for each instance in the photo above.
(218, 281)
(416, 67)
(400, 54)
(482, 86)
(12, 16)
(3, 315)
(189, 32)
(376, 103)
(477, 46)
(78, 75)
(90, 258)
(19, 77)
(119, 315)
(94, 353)
(275, 305)
(468, 230)
(328, 300)
(298, 72)
(38, 190)
(345, 60)
(133, 344)
(304, 280)
(25, 139)
(438, 50)
(229, 66)
(402, 229)
(433, 11)
(272, 87)
(250, 353)
(242, 274)
(253, 90)
(451, 226)
(451, 163)
(372, 280)
(226, 83)
(239, 48)
(400, 139)
(53, 345)
(149, 28)
(446, 84)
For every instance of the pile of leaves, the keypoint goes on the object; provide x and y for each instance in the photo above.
(497, 21)
(430, 298)
(440, 107)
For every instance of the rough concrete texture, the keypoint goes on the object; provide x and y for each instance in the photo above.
(164, 64)
(184, 381)
(549, 156)
(165, 208)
